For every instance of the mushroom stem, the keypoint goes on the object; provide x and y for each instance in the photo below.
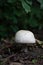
(24, 48)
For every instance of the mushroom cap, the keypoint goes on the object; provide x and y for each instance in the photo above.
(24, 36)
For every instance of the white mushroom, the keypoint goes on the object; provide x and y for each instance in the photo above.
(24, 36)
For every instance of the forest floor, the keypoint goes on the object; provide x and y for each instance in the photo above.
(11, 54)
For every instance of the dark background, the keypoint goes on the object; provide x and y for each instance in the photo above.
(21, 14)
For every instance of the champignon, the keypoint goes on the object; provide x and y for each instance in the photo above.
(25, 37)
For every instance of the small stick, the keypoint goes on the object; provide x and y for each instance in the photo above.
(7, 59)
(39, 42)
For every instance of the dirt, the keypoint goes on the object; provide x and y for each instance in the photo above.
(12, 55)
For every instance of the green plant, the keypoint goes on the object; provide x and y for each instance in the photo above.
(20, 14)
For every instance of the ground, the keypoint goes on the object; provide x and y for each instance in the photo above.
(10, 54)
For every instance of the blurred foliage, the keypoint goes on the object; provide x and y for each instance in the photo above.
(20, 14)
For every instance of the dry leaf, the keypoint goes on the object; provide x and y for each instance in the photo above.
(15, 63)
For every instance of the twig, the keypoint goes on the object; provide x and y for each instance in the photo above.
(39, 42)
(7, 59)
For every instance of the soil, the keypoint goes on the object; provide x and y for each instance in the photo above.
(17, 56)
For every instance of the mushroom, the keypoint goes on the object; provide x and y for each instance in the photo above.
(26, 38)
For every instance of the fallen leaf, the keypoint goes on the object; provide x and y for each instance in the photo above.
(15, 63)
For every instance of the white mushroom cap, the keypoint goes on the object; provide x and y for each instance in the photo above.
(24, 36)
